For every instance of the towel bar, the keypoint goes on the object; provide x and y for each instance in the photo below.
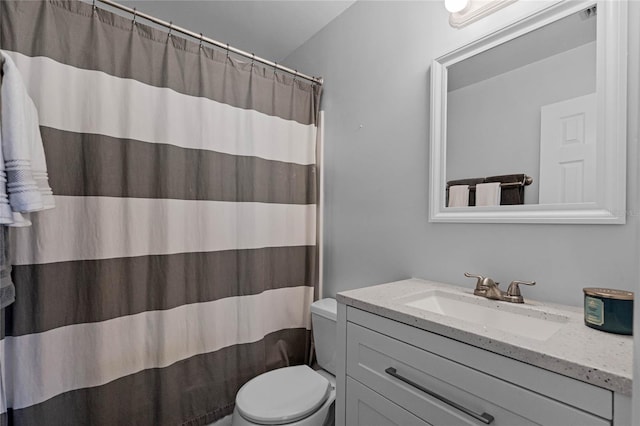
(512, 186)
(526, 181)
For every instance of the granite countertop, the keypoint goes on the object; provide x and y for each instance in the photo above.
(575, 350)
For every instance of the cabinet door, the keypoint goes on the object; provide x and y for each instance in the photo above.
(367, 408)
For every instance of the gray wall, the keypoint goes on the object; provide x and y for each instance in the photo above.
(375, 59)
(493, 126)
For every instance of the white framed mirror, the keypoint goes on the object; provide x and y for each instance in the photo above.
(544, 100)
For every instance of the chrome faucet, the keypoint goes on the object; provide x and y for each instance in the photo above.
(486, 287)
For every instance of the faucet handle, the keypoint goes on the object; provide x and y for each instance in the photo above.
(479, 283)
(483, 284)
(513, 292)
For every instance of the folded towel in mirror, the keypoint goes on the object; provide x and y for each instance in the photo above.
(459, 196)
(513, 194)
(488, 194)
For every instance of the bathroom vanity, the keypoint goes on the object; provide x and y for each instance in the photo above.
(417, 352)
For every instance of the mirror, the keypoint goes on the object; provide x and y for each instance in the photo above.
(531, 121)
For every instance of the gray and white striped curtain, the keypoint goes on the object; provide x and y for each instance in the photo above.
(180, 260)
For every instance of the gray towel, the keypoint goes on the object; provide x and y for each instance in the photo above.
(7, 290)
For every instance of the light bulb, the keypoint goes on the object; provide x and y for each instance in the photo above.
(455, 6)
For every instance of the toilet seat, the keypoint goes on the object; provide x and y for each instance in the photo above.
(282, 396)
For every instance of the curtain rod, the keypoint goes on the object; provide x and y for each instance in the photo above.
(135, 13)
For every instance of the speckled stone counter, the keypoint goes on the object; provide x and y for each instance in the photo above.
(575, 350)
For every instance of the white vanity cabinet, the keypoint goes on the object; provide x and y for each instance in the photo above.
(391, 373)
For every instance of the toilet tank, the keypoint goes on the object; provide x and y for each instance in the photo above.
(323, 316)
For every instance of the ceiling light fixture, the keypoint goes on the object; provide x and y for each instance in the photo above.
(464, 12)
(456, 6)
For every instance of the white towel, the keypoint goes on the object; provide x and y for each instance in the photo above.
(488, 194)
(24, 163)
(39, 163)
(459, 196)
(21, 220)
(24, 183)
(6, 215)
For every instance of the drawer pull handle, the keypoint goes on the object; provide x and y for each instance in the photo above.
(484, 417)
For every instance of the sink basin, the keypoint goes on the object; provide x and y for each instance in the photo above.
(521, 320)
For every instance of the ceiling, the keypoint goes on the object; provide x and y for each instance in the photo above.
(560, 36)
(270, 29)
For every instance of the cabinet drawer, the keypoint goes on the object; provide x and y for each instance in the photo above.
(367, 408)
(575, 393)
(370, 354)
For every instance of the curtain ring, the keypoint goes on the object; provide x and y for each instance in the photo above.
(295, 76)
(135, 14)
(227, 51)
(94, 7)
(201, 37)
(275, 68)
(170, 29)
(253, 59)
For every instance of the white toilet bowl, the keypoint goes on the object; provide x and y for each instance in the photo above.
(292, 396)
(298, 395)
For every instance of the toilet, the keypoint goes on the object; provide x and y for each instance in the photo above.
(299, 395)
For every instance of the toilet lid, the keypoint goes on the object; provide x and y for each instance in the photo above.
(282, 396)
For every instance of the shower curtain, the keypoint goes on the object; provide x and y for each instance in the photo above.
(180, 260)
